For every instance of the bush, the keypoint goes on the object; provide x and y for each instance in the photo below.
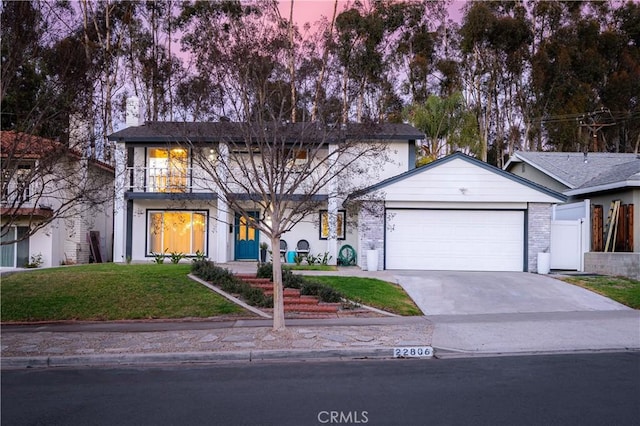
(225, 279)
(265, 270)
(330, 295)
(291, 280)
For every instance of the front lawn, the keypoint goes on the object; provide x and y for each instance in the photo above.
(108, 292)
(620, 289)
(369, 291)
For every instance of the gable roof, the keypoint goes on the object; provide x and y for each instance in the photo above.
(468, 159)
(572, 169)
(168, 131)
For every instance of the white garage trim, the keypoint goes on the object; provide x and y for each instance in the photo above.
(455, 239)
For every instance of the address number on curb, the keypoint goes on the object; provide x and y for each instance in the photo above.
(413, 352)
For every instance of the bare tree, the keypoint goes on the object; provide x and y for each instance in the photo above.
(287, 171)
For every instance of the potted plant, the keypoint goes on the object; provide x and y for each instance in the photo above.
(372, 256)
(263, 252)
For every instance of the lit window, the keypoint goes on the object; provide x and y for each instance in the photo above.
(177, 232)
(168, 169)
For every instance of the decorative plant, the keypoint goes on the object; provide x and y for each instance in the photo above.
(326, 257)
(200, 256)
(159, 257)
(36, 261)
(176, 257)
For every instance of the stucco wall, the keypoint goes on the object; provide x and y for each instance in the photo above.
(371, 232)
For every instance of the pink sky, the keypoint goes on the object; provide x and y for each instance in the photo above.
(311, 10)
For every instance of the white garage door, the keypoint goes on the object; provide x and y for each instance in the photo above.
(462, 240)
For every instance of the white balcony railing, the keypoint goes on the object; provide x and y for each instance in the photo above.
(162, 180)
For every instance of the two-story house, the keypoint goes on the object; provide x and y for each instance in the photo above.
(166, 201)
(457, 213)
(56, 206)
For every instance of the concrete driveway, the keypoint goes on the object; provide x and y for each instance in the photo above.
(463, 293)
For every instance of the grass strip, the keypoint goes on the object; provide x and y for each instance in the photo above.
(621, 289)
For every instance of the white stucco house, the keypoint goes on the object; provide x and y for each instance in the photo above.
(457, 213)
(55, 205)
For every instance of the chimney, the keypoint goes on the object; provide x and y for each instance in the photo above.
(133, 112)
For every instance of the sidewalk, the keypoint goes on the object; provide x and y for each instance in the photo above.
(208, 341)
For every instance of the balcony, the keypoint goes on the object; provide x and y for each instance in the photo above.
(165, 183)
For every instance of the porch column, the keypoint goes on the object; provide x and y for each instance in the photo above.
(332, 240)
(332, 217)
(119, 205)
(222, 231)
(222, 212)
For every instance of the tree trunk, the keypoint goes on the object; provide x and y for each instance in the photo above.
(278, 290)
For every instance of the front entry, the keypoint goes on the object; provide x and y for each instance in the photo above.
(246, 238)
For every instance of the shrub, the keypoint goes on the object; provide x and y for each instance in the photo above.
(324, 292)
(225, 279)
(265, 270)
(291, 280)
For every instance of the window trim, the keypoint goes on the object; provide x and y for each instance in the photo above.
(150, 211)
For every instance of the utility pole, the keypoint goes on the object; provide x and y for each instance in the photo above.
(594, 122)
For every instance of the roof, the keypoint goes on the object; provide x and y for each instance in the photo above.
(169, 131)
(572, 169)
(621, 176)
(26, 146)
(472, 160)
(23, 146)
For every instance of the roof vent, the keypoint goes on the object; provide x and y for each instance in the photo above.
(224, 119)
(585, 158)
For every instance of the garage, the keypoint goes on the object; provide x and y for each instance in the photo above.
(462, 240)
(456, 214)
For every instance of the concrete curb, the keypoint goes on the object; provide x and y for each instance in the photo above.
(192, 358)
(379, 353)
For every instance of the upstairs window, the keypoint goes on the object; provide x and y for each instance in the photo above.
(168, 169)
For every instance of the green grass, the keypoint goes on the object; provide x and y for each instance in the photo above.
(108, 292)
(620, 289)
(377, 293)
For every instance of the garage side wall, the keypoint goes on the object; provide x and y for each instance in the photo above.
(539, 233)
(370, 231)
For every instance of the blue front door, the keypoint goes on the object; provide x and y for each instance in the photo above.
(247, 237)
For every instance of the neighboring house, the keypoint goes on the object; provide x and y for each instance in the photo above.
(458, 213)
(593, 182)
(165, 203)
(56, 207)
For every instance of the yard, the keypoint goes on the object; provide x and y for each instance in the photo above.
(107, 292)
(620, 289)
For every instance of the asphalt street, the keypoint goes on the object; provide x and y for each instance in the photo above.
(577, 389)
